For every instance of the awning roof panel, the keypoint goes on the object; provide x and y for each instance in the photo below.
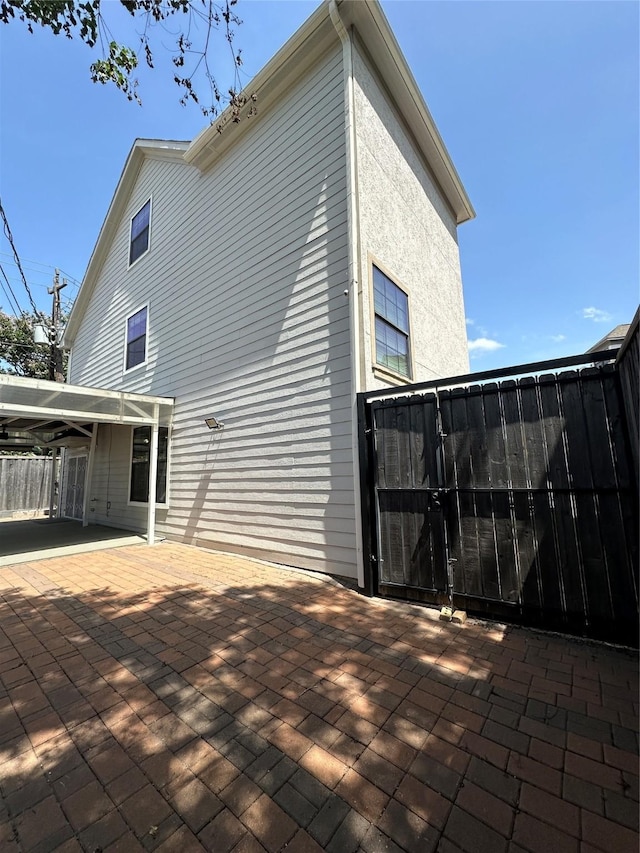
(41, 400)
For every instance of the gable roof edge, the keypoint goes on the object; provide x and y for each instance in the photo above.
(302, 50)
(140, 150)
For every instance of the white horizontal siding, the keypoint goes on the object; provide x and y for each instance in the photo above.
(245, 281)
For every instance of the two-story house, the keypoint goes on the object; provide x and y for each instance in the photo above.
(262, 276)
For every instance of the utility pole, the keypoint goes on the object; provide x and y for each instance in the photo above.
(56, 372)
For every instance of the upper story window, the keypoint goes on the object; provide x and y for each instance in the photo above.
(136, 343)
(140, 233)
(391, 307)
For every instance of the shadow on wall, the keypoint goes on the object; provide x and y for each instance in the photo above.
(288, 710)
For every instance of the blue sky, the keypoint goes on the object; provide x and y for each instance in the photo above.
(537, 102)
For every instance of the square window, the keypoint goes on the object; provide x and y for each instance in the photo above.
(140, 233)
(140, 461)
(136, 351)
(391, 307)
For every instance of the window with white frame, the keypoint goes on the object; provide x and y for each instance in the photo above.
(391, 307)
(136, 344)
(140, 461)
(140, 233)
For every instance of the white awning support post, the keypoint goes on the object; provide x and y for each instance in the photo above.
(89, 476)
(153, 472)
(52, 486)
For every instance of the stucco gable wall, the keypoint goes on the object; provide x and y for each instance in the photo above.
(408, 229)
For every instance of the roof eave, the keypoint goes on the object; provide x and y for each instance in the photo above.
(302, 50)
(141, 148)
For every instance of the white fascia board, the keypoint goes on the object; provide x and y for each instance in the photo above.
(384, 52)
(141, 149)
(302, 50)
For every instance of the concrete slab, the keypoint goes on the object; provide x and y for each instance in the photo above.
(31, 539)
(175, 699)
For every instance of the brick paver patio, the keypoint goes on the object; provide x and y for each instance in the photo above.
(174, 699)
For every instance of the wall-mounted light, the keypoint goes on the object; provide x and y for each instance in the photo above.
(214, 423)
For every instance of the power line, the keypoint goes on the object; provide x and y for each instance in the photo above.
(9, 236)
(27, 261)
(15, 301)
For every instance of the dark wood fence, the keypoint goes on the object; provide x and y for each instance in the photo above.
(628, 367)
(515, 497)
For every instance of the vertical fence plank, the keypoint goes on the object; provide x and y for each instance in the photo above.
(540, 513)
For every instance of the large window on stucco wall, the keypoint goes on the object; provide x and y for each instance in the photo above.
(391, 309)
(140, 461)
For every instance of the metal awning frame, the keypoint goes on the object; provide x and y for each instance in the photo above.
(44, 407)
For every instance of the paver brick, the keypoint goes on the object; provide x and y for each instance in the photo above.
(486, 807)
(144, 809)
(424, 801)
(407, 829)
(550, 809)
(538, 774)
(436, 775)
(471, 835)
(87, 805)
(539, 837)
(269, 823)
(323, 766)
(328, 819)
(394, 745)
(607, 835)
(295, 805)
(42, 826)
(195, 804)
(240, 794)
(103, 832)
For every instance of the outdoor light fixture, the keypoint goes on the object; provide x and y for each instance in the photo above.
(213, 423)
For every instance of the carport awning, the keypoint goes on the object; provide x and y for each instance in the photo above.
(47, 407)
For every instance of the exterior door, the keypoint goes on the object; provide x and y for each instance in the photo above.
(74, 484)
(412, 545)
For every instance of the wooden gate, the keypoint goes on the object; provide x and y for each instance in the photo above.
(517, 498)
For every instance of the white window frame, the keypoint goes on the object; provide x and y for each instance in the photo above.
(131, 263)
(165, 503)
(126, 339)
(378, 367)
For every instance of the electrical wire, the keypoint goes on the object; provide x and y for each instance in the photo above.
(9, 236)
(27, 261)
(15, 300)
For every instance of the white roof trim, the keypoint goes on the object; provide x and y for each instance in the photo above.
(302, 50)
(142, 148)
(51, 402)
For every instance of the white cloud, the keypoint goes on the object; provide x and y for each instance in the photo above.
(484, 345)
(596, 315)
(558, 338)
(470, 322)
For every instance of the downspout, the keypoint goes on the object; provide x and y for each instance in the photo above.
(353, 226)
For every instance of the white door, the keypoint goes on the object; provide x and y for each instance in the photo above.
(75, 470)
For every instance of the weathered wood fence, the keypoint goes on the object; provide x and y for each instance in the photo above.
(25, 483)
(515, 498)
